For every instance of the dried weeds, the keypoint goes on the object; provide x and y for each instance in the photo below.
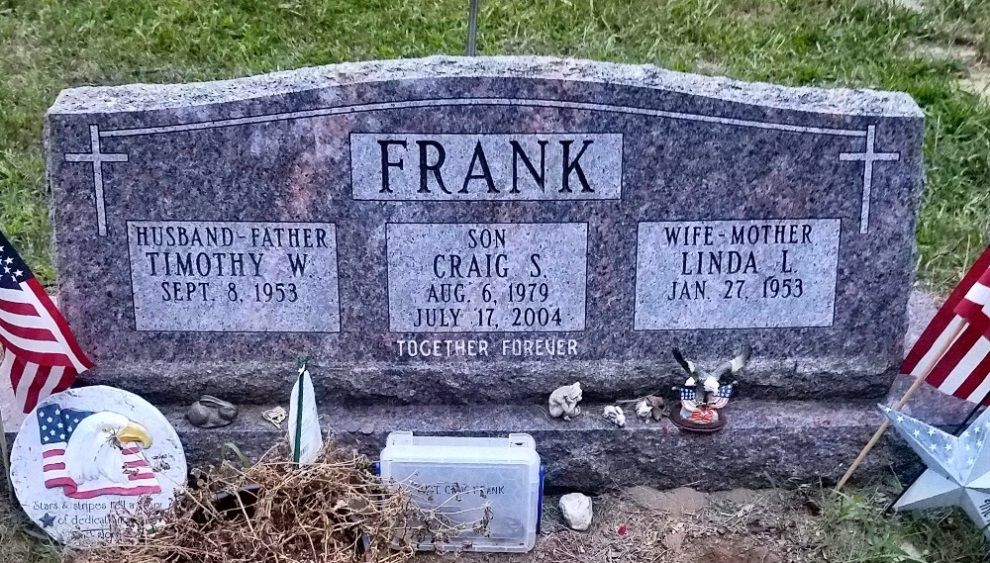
(333, 511)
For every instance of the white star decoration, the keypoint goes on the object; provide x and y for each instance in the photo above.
(956, 476)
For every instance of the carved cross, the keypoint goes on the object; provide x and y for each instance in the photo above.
(97, 157)
(868, 158)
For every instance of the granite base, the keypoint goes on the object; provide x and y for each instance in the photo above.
(765, 444)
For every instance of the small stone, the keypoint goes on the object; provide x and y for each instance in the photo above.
(911, 551)
(367, 428)
(577, 512)
(915, 6)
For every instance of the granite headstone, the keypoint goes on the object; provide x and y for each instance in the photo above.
(450, 231)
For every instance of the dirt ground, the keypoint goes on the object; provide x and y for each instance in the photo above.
(641, 525)
(681, 526)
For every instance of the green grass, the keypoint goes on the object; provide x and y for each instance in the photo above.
(20, 541)
(858, 531)
(46, 45)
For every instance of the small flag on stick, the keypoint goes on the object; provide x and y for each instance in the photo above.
(953, 353)
(40, 354)
(962, 325)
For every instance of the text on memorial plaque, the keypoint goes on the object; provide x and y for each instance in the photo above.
(231, 276)
(736, 274)
(495, 277)
(408, 167)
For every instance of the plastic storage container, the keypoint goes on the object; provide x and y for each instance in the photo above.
(468, 481)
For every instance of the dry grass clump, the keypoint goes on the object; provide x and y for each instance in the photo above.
(332, 511)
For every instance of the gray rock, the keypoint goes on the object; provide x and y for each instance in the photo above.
(576, 510)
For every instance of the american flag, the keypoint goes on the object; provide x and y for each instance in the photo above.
(975, 306)
(40, 354)
(964, 368)
(722, 397)
(56, 426)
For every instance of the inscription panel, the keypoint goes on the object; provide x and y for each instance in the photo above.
(401, 167)
(234, 276)
(494, 277)
(736, 274)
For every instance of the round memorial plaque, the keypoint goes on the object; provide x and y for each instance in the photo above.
(87, 457)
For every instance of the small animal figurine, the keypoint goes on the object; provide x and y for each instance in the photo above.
(211, 412)
(615, 415)
(704, 394)
(647, 407)
(650, 406)
(564, 401)
(643, 409)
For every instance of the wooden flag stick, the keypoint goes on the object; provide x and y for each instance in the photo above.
(4, 456)
(6, 459)
(907, 395)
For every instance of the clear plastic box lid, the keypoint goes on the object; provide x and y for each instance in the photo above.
(485, 490)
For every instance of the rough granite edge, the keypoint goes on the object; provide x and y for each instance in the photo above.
(149, 97)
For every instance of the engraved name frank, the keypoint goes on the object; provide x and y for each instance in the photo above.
(212, 276)
(486, 167)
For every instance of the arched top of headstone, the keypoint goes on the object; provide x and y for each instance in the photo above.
(422, 78)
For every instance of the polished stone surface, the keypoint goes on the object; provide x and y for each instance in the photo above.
(599, 149)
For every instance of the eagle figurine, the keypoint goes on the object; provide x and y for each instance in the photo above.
(704, 393)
